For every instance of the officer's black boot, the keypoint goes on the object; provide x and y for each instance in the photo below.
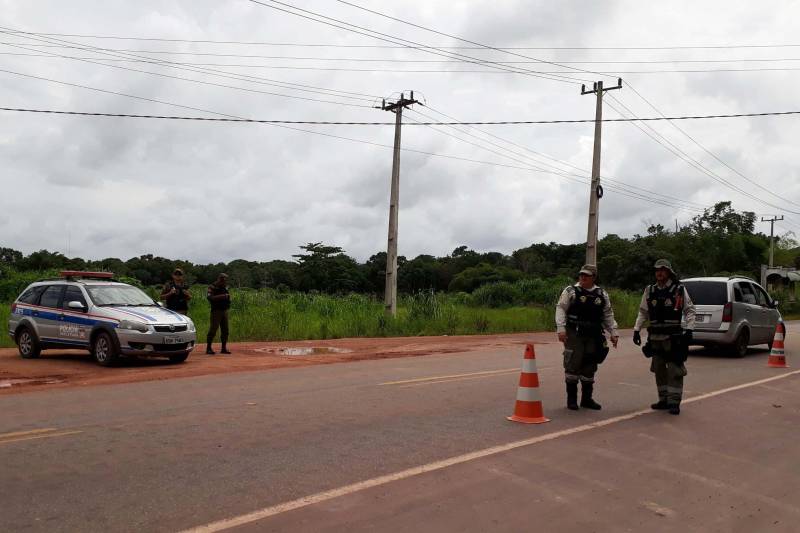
(572, 396)
(209, 351)
(659, 405)
(586, 396)
(674, 408)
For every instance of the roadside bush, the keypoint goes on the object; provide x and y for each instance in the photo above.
(502, 294)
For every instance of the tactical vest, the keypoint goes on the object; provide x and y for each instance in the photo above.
(177, 301)
(585, 312)
(665, 306)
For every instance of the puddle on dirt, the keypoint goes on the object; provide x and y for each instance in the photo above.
(300, 351)
(8, 383)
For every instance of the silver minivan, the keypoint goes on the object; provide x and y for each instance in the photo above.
(734, 312)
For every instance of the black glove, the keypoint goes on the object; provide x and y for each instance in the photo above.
(687, 336)
(637, 338)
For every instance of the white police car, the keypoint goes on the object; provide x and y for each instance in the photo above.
(90, 310)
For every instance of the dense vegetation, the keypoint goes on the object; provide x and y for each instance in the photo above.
(324, 293)
(720, 241)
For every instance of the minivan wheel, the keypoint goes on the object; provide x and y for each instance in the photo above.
(741, 342)
(28, 344)
(104, 350)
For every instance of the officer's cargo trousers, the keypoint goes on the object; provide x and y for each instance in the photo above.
(580, 357)
(219, 319)
(669, 374)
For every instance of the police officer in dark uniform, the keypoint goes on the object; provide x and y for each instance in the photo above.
(666, 304)
(220, 300)
(175, 293)
(583, 314)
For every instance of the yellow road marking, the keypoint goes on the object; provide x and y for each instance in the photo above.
(35, 434)
(451, 376)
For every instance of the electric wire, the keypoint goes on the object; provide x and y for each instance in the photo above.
(536, 154)
(398, 40)
(712, 154)
(462, 39)
(583, 178)
(335, 45)
(402, 71)
(678, 152)
(221, 85)
(224, 74)
(396, 60)
(361, 123)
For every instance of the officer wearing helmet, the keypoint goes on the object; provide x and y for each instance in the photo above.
(666, 305)
(583, 313)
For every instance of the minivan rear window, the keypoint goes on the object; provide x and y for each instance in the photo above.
(707, 292)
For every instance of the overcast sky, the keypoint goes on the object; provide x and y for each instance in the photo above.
(209, 191)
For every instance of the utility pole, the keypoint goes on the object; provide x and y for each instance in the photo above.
(596, 191)
(771, 236)
(390, 295)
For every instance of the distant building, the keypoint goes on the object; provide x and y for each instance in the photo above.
(780, 279)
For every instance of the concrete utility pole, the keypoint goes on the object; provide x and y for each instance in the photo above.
(390, 295)
(771, 236)
(596, 191)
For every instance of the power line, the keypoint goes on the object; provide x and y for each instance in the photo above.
(202, 82)
(401, 71)
(357, 123)
(462, 39)
(396, 60)
(335, 45)
(689, 159)
(582, 179)
(712, 154)
(615, 183)
(398, 40)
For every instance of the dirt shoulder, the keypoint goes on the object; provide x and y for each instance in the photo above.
(70, 368)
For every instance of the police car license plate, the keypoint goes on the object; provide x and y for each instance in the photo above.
(703, 318)
(173, 340)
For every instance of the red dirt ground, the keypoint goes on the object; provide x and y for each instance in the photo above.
(71, 368)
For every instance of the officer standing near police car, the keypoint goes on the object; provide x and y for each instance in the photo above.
(666, 305)
(583, 314)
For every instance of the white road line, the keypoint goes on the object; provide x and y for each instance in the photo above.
(441, 378)
(319, 497)
(450, 380)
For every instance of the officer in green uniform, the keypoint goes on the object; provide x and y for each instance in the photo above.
(666, 304)
(220, 300)
(176, 293)
(583, 313)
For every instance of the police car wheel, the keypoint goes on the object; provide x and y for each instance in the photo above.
(105, 350)
(28, 344)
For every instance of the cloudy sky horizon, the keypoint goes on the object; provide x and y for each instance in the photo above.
(99, 187)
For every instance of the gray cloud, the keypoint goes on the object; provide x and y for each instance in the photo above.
(214, 192)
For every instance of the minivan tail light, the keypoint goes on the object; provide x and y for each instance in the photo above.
(727, 312)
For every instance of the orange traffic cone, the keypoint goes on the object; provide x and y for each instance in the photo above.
(528, 408)
(777, 357)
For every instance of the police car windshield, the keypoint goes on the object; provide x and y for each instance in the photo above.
(106, 295)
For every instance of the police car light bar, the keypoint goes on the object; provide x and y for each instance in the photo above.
(86, 275)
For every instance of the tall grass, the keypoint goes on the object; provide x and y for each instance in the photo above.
(260, 315)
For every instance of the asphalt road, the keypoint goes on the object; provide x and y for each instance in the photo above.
(249, 449)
